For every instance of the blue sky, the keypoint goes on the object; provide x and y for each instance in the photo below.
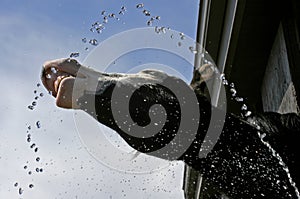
(32, 32)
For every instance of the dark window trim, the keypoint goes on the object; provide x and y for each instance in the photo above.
(291, 29)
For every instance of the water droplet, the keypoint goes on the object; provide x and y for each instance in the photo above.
(36, 149)
(193, 50)
(16, 184)
(222, 76)
(140, 5)
(76, 54)
(239, 99)
(31, 186)
(244, 107)
(30, 107)
(179, 44)
(121, 13)
(38, 85)
(233, 92)
(38, 159)
(48, 76)
(248, 113)
(32, 146)
(157, 17)
(33, 103)
(93, 42)
(84, 40)
(29, 172)
(105, 19)
(20, 191)
(225, 82)
(103, 12)
(28, 139)
(53, 70)
(262, 135)
(35, 91)
(38, 124)
(25, 167)
(112, 15)
(157, 29)
(37, 170)
(149, 22)
(41, 94)
(163, 30)
(146, 12)
(36, 98)
(123, 8)
(232, 85)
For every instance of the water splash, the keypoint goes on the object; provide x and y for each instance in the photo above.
(281, 162)
(261, 135)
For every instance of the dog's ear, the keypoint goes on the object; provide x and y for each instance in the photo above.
(203, 78)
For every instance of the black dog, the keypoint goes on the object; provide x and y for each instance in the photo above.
(241, 164)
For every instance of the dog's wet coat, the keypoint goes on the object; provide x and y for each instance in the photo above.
(239, 165)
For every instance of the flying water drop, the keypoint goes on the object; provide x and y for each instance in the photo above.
(93, 42)
(20, 191)
(74, 55)
(48, 76)
(105, 19)
(140, 5)
(233, 92)
(150, 22)
(182, 36)
(248, 113)
(147, 13)
(30, 107)
(112, 15)
(244, 107)
(193, 50)
(38, 124)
